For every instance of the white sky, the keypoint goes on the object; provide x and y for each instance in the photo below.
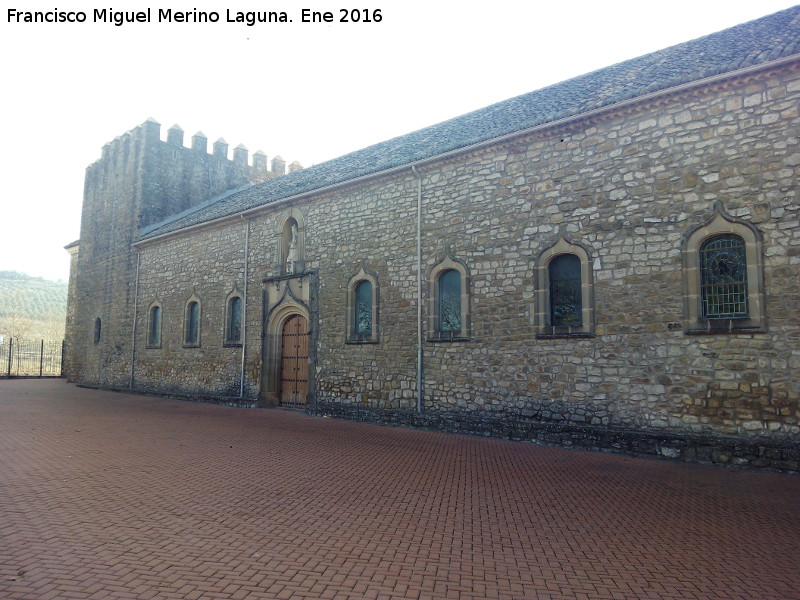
(309, 92)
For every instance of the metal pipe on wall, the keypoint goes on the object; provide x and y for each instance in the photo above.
(244, 302)
(420, 400)
(135, 315)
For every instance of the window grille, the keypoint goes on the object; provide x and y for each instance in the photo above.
(723, 278)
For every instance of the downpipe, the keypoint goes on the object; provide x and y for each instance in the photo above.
(135, 318)
(244, 303)
(420, 372)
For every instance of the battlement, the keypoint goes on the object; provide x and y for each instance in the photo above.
(149, 133)
(156, 178)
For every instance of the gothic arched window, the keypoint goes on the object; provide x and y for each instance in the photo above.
(362, 308)
(154, 327)
(449, 316)
(191, 329)
(233, 322)
(362, 319)
(449, 306)
(566, 306)
(723, 278)
(564, 299)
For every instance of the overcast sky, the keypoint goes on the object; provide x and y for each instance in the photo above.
(306, 91)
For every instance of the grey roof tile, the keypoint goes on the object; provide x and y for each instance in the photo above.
(769, 38)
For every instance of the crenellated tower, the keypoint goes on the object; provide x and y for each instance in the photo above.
(139, 180)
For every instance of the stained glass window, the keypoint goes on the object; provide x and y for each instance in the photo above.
(566, 306)
(154, 334)
(362, 319)
(234, 319)
(723, 278)
(450, 301)
(192, 323)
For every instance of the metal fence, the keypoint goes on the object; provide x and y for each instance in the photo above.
(31, 358)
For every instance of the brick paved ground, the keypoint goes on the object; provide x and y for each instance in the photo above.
(107, 495)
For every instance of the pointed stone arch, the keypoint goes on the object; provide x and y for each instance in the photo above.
(449, 322)
(233, 318)
(192, 315)
(723, 224)
(276, 319)
(547, 325)
(155, 320)
(363, 326)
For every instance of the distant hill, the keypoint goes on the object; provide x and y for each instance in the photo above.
(32, 306)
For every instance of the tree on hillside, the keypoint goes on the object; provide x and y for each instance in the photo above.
(15, 325)
(31, 307)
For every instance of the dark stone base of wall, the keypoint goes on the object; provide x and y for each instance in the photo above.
(692, 448)
(205, 399)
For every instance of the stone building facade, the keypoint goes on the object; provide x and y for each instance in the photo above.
(611, 263)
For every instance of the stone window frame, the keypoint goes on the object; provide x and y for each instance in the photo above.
(151, 341)
(449, 263)
(192, 343)
(283, 239)
(350, 336)
(543, 314)
(228, 315)
(721, 223)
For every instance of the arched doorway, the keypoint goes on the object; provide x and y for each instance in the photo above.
(294, 362)
(287, 368)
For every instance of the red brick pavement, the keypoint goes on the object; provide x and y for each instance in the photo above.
(106, 495)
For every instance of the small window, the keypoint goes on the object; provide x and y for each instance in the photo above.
(566, 306)
(191, 336)
(449, 302)
(564, 302)
(154, 327)
(362, 308)
(98, 326)
(723, 278)
(449, 314)
(233, 322)
(362, 318)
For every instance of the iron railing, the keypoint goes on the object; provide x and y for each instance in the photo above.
(31, 358)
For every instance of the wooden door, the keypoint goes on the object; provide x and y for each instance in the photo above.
(294, 362)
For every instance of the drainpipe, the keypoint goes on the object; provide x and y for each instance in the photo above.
(244, 302)
(135, 316)
(420, 400)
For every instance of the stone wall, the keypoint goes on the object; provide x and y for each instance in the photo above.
(208, 267)
(723, 450)
(628, 186)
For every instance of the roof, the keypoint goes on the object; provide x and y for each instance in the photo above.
(754, 43)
